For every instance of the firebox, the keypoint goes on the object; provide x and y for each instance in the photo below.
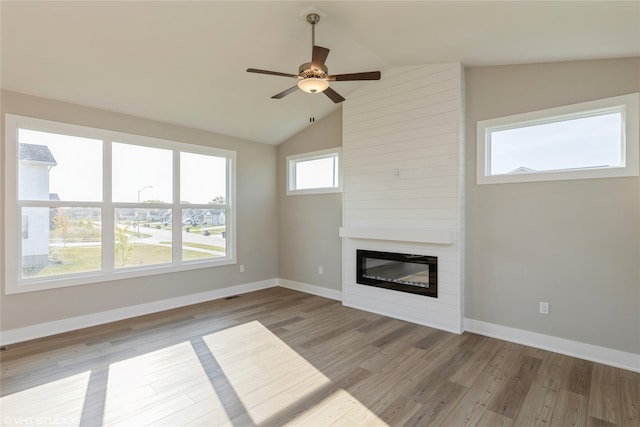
(416, 274)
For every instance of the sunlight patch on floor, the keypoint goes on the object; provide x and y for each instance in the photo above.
(162, 385)
(57, 402)
(262, 369)
(338, 409)
(269, 377)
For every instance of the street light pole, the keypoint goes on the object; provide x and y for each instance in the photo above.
(137, 217)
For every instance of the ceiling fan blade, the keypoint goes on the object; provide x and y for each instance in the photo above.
(368, 75)
(333, 95)
(318, 57)
(271, 73)
(285, 93)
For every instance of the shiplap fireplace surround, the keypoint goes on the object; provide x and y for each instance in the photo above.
(403, 169)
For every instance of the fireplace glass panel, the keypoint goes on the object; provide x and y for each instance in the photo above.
(401, 272)
(406, 273)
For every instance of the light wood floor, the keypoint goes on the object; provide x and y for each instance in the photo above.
(278, 357)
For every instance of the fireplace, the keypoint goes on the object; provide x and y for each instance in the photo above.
(416, 274)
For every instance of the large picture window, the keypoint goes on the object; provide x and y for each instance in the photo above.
(596, 139)
(85, 205)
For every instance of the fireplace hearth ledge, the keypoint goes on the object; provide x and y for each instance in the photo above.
(433, 236)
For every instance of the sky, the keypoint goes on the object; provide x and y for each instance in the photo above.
(578, 143)
(316, 173)
(138, 171)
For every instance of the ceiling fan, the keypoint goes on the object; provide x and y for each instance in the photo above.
(313, 76)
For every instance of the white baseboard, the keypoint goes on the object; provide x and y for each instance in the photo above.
(26, 333)
(594, 353)
(607, 356)
(311, 289)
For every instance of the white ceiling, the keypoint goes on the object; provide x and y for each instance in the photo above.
(185, 62)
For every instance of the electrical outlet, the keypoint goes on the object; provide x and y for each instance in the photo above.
(241, 268)
(396, 173)
(320, 270)
(544, 307)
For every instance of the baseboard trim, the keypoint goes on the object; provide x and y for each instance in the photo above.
(593, 353)
(311, 289)
(40, 330)
(607, 356)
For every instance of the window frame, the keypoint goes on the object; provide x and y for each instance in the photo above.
(15, 283)
(293, 160)
(628, 105)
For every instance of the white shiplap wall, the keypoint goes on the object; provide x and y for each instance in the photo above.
(403, 154)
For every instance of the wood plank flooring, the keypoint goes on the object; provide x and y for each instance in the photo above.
(279, 357)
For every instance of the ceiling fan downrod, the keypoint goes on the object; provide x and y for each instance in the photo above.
(313, 19)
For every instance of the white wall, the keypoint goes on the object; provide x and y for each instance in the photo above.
(403, 173)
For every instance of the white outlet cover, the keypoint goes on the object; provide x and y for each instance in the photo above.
(544, 307)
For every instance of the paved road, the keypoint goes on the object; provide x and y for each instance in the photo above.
(153, 236)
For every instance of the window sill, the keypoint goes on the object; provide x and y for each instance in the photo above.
(101, 277)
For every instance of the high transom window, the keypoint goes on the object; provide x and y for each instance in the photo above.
(85, 205)
(313, 173)
(594, 139)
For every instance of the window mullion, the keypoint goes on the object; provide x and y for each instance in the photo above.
(108, 212)
(176, 212)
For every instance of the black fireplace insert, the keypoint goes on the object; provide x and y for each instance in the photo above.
(416, 274)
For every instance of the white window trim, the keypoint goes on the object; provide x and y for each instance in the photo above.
(321, 154)
(631, 140)
(15, 284)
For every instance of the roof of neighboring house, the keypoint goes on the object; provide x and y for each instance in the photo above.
(36, 153)
(521, 169)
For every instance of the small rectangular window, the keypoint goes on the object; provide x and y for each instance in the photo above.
(313, 173)
(587, 140)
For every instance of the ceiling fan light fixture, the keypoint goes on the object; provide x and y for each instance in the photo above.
(313, 85)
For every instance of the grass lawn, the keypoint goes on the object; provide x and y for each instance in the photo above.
(78, 259)
(74, 259)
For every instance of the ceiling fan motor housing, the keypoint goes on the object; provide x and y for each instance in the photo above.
(306, 71)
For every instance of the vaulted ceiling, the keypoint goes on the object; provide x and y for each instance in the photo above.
(185, 62)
